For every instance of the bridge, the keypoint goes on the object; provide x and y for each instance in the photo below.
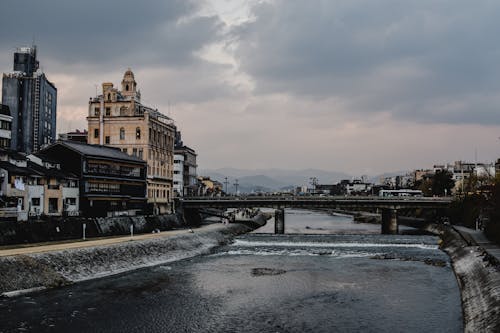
(388, 205)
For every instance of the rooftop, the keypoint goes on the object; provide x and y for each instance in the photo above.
(98, 151)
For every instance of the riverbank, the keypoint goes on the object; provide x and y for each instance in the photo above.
(478, 275)
(39, 269)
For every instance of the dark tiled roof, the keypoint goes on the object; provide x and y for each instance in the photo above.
(99, 151)
(56, 173)
(14, 154)
(46, 158)
(18, 170)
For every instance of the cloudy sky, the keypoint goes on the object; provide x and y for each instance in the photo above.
(359, 86)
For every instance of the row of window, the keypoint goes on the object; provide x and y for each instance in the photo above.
(122, 134)
(68, 201)
(103, 188)
(137, 133)
(5, 125)
(135, 152)
(123, 111)
(159, 194)
(4, 143)
(114, 169)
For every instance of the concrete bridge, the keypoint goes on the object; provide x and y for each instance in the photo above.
(388, 205)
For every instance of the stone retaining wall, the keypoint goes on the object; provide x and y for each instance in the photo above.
(478, 278)
(52, 269)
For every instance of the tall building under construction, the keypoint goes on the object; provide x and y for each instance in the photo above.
(32, 100)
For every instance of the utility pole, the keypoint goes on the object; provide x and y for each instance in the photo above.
(314, 182)
(236, 186)
(226, 182)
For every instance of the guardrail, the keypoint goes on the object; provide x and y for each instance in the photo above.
(316, 198)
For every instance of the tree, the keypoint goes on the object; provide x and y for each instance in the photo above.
(492, 227)
(442, 182)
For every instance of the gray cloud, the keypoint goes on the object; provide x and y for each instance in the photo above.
(100, 33)
(413, 59)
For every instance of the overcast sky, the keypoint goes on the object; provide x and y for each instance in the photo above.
(359, 86)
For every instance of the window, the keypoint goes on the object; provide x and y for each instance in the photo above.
(72, 183)
(53, 205)
(71, 201)
(137, 133)
(96, 133)
(176, 172)
(125, 150)
(109, 96)
(122, 133)
(96, 112)
(107, 140)
(134, 151)
(140, 153)
(35, 201)
(126, 87)
(108, 111)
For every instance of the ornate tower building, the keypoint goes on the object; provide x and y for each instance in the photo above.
(119, 119)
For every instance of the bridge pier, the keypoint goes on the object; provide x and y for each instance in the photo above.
(389, 221)
(279, 221)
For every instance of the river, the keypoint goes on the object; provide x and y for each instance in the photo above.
(327, 274)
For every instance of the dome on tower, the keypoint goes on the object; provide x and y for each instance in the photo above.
(129, 85)
(129, 73)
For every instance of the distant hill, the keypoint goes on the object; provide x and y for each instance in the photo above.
(271, 179)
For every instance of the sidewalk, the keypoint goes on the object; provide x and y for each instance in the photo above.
(477, 237)
(58, 246)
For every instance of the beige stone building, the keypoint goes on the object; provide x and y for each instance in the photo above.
(118, 118)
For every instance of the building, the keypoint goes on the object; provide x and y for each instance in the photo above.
(185, 174)
(14, 175)
(54, 192)
(178, 174)
(5, 127)
(32, 101)
(209, 187)
(117, 118)
(76, 135)
(32, 186)
(111, 182)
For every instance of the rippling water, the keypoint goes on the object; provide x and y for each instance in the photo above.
(266, 283)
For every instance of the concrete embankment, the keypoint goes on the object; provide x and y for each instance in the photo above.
(478, 275)
(51, 269)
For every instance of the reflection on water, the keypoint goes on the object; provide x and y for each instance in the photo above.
(266, 283)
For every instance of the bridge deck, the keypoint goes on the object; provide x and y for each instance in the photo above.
(316, 202)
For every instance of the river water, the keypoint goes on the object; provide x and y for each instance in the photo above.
(319, 277)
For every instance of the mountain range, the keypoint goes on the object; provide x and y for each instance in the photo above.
(268, 180)
(271, 179)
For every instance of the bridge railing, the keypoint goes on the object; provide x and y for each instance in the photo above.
(319, 198)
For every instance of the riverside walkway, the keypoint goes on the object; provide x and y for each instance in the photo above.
(73, 244)
(477, 237)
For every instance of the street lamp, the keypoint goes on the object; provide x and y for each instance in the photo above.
(314, 182)
(236, 186)
(226, 182)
